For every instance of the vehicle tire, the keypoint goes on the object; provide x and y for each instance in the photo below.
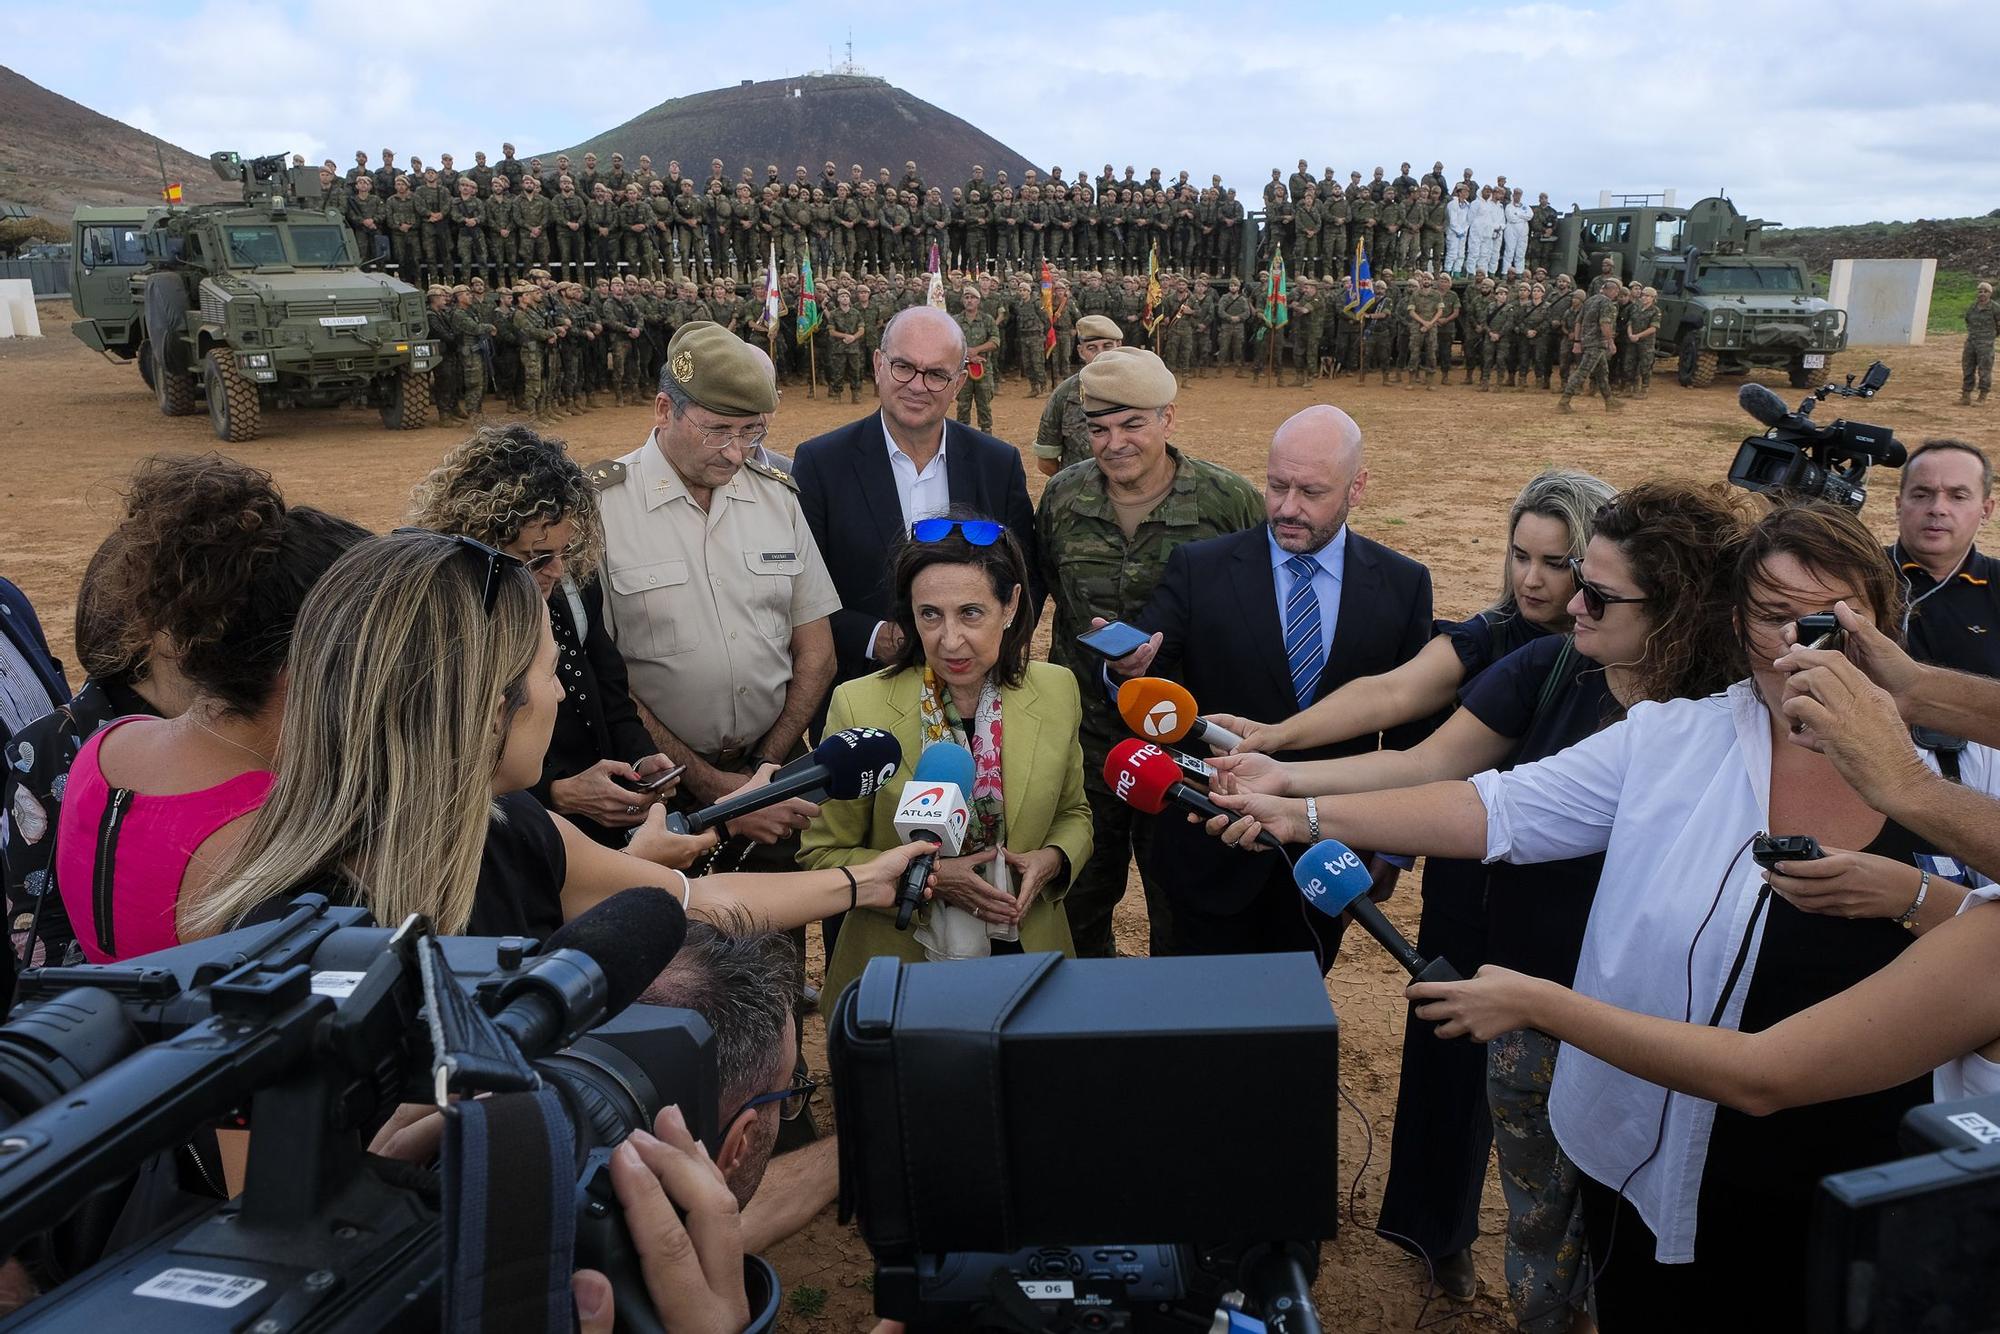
(145, 360)
(1698, 366)
(233, 409)
(1802, 378)
(409, 406)
(177, 393)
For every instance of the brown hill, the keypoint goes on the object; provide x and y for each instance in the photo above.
(1968, 244)
(844, 118)
(56, 154)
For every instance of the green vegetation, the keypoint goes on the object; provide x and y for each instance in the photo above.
(807, 1301)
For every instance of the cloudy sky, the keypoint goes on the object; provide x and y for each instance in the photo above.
(1804, 112)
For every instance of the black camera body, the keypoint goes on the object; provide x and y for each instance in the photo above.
(1798, 456)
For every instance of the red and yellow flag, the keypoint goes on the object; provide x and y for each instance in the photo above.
(1048, 308)
(172, 193)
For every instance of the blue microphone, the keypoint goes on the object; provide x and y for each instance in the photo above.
(936, 806)
(1334, 881)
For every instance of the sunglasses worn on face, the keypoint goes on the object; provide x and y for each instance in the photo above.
(978, 532)
(498, 562)
(1595, 599)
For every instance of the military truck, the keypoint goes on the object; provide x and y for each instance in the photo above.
(250, 306)
(1725, 306)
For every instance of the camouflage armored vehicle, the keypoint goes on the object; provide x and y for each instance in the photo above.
(1724, 304)
(249, 306)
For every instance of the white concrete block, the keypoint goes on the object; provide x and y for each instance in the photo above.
(1888, 301)
(6, 320)
(17, 296)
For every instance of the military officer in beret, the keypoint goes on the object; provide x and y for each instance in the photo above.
(1107, 527)
(1064, 435)
(714, 590)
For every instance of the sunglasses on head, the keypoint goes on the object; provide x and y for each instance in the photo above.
(1595, 599)
(978, 532)
(498, 562)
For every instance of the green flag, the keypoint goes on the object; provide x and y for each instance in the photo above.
(809, 320)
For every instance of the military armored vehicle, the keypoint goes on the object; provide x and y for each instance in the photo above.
(1725, 306)
(250, 306)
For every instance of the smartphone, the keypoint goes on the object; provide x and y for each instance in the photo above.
(1821, 630)
(1770, 849)
(1113, 641)
(658, 780)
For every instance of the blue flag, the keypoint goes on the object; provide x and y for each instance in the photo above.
(1361, 292)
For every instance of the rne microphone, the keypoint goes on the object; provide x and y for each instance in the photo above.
(592, 968)
(1334, 881)
(1141, 775)
(933, 808)
(858, 762)
(1162, 710)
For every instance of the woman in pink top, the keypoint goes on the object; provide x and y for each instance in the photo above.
(213, 567)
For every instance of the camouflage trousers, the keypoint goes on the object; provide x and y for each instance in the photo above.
(1977, 363)
(979, 391)
(1591, 373)
(1546, 1273)
(1638, 367)
(1423, 350)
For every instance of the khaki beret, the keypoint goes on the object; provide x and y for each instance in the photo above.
(1099, 326)
(720, 371)
(1125, 377)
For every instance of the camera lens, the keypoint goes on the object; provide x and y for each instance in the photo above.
(57, 1045)
(608, 1094)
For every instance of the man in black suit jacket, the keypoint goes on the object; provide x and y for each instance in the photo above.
(1218, 622)
(862, 485)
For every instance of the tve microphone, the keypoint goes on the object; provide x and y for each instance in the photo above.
(1334, 880)
(1161, 710)
(1762, 404)
(934, 808)
(858, 762)
(1140, 775)
(592, 968)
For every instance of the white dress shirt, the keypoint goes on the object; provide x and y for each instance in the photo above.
(921, 493)
(1672, 795)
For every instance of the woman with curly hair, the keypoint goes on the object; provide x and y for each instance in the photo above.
(519, 491)
(210, 567)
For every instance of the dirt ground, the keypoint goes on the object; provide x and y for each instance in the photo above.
(1443, 466)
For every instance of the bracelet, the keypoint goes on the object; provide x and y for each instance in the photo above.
(1312, 818)
(853, 889)
(1908, 921)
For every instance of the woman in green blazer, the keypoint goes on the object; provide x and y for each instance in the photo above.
(960, 673)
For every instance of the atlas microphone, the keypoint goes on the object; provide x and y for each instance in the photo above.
(858, 762)
(1334, 880)
(934, 809)
(1141, 775)
(1161, 710)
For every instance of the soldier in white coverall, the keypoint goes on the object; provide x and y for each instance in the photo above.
(1488, 218)
(1457, 229)
(1514, 235)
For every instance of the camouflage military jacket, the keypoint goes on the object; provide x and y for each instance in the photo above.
(1093, 569)
(1982, 323)
(402, 209)
(432, 199)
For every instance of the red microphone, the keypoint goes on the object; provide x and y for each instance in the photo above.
(1142, 776)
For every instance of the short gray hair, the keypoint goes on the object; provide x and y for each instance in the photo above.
(671, 387)
(745, 983)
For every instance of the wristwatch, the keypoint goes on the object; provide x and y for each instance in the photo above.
(1312, 818)
(1908, 921)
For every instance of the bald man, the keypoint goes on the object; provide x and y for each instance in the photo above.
(1260, 624)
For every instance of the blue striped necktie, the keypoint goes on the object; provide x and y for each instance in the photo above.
(1304, 652)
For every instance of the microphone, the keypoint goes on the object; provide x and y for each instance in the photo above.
(858, 762)
(1334, 880)
(934, 809)
(1762, 404)
(592, 968)
(1162, 710)
(1140, 775)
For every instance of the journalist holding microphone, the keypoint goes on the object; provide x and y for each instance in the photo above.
(963, 678)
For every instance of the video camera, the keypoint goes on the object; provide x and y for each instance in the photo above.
(310, 1030)
(1034, 1143)
(1797, 455)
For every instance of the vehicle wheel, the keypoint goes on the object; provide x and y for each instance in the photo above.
(233, 408)
(409, 406)
(1698, 366)
(145, 360)
(1802, 378)
(176, 392)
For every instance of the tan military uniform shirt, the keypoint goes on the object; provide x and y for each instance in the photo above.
(702, 603)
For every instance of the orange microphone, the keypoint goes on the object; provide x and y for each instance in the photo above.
(1161, 710)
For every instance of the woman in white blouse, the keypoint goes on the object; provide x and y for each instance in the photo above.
(1686, 927)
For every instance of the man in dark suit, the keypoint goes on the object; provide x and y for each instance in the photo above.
(863, 485)
(31, 680)
(1261, 623)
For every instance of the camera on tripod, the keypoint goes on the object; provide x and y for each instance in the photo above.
(1798, 456)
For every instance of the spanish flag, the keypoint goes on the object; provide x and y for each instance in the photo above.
(1048, 309)
(172, 193)
(1147, 317)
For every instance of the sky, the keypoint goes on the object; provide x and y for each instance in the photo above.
(1805, 113)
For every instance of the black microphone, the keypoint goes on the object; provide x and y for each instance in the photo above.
(858, 762)
(1762, 404)
(592, 968)
(1334, 880)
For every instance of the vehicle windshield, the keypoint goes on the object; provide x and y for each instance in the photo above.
(1746, 278)
(1667, 234)
(112, 245)
(322, 246)
(255, 247)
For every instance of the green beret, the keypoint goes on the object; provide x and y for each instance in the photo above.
(720, 371)
(1125, 377)
(1099, 326)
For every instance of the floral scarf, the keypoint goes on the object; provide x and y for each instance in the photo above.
(942, 723)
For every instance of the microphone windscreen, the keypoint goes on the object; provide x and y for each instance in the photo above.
(1762, 404)
(946, 762)
(631, 936)
(1331, 877)
(1156, 709)
(1139, 774)
(859, 762)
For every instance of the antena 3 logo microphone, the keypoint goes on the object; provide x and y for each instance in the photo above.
(1155, 709)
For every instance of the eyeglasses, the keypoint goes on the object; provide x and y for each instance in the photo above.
(1595, 599)
(717, 441)
(792, 1101)
(936, 381)
(498, 562)
(978, 532)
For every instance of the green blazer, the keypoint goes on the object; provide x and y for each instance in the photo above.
(1041, 771)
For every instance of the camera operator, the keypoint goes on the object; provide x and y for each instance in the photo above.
(1953, 589)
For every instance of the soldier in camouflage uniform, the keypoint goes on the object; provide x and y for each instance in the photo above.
(437, 234)
(468, 220)
(1538, 326)
(535, 335)
(1642, 330)
(1982, 323)
(982, 340)
(1596, 339)
(1378, 329)
(1063, 437)
(1426, 314)
(1309, 313)
(569, 223)
(846, 329)
(1177, 305)
(471, 332)
(1233, 314)
(1101, 561)
(1310, 223)
(1447, 324)
(1502, 319)
(404, 224)
(1029, 325)
(534, 224)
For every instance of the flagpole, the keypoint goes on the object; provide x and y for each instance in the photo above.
(812, 363)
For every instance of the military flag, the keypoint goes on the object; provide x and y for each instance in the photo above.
(809, 315)
(772, 305)
(1147, 318)
(1277, 303)
(935, 295)
(172, 193)
(1362, 286)
(1048, 308)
